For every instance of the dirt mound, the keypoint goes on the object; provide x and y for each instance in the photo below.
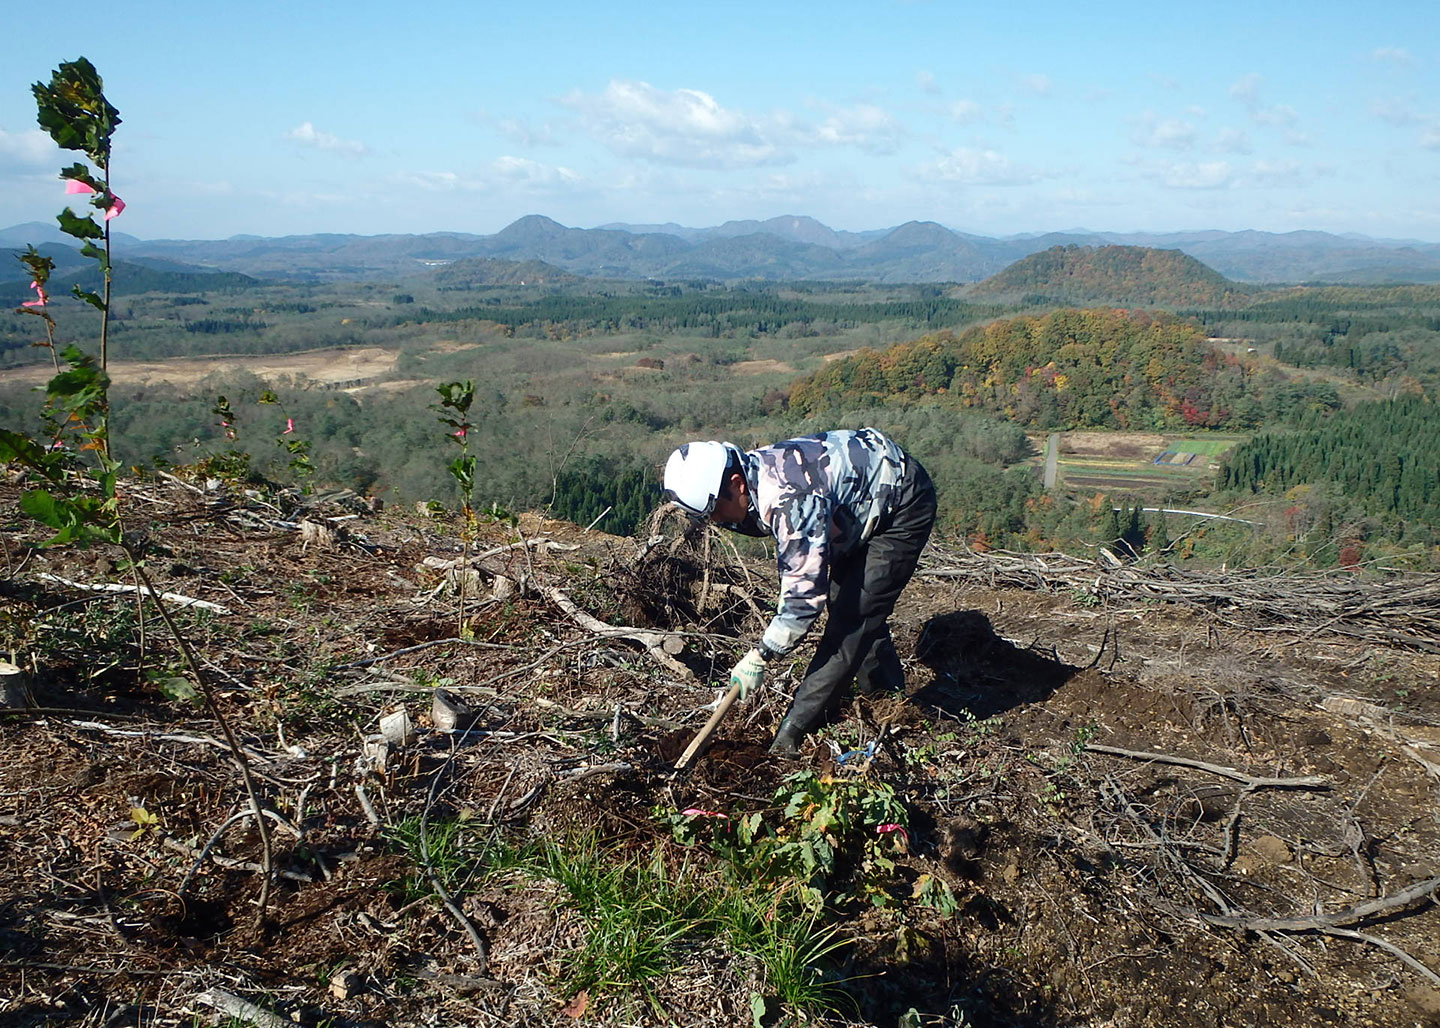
(1116, 811)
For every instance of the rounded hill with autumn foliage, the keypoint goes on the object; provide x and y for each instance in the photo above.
(1100, 368)
(1128, 276)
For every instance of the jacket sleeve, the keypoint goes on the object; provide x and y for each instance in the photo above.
(802, 552)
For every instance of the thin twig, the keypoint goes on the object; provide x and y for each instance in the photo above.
(441, 893)
(207, 694)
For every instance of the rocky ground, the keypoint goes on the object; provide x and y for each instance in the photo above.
(1142, 813)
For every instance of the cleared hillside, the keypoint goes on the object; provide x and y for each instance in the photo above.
(1114, 794)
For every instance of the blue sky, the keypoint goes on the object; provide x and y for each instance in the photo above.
(372, 117)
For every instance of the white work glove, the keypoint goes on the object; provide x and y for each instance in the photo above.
(749, 673)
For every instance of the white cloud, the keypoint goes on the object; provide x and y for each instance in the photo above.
(1232, 140)
(1277, 173)
(1195, 174)
(308, 135)
(1246, 89)
(303, 199)
(865, 126)
(690, 128)
(1040, 85)
(966, 111)
(1164, 133)
(1275, 114)
(1403, 114)
(1392, 55)
(685, 127)
(433, 181)
(525, 135)
(973, 167)
(1395, 111)
(524, 172)
(29, 150)
(506, 171)
(926, 81)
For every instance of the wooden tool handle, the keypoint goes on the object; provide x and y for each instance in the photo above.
(726, 702)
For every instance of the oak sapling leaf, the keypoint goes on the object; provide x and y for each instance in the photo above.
(73, 109)
(93, 299)
(84, 389)
(43, 507)
(22, 449)
(73, 224)
(457, 395)
(39, 265)
(80, 173)
(96, 254)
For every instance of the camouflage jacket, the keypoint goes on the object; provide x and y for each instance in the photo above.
(821, 497)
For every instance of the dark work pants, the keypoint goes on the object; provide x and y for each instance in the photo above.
(864, 586)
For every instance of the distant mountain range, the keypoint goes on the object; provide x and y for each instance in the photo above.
(784, 248)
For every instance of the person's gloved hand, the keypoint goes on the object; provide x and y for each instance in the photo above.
(749, 673)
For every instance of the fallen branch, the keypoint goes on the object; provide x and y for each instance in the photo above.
(1389, 947)
(367, 806)
(195, 740)
(215, 838)
(232, 1005)
(231, 863)
(1415, 894)
(660, 645)
(1402, 609)
(1252, 782)
(1326, 924)
(108, 587)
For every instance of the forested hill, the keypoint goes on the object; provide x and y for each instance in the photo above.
(1132, 276)
(493, 271)
(1381, 456)
(131, 277)
(1100, 368)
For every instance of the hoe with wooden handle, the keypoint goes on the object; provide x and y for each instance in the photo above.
(703, 736)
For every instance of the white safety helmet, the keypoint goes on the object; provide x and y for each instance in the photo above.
(694, 474)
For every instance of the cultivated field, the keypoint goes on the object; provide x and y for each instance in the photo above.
(1147, 464)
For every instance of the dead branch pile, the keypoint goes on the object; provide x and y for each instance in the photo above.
(1400, 609)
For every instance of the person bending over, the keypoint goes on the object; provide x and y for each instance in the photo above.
(850, 513)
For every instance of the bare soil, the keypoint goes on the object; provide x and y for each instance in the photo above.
(1112, 444)
(761, 367)
(1093, 888)
(325, 367)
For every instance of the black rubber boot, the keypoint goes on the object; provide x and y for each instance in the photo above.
(787, 740)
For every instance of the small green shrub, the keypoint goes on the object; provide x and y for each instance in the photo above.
(833, 838)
